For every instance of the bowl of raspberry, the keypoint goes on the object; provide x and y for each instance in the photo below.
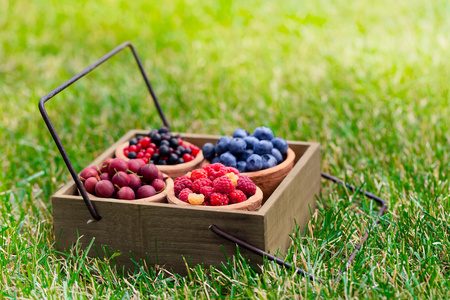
(218, 186)
(126, 180)
(169, 152)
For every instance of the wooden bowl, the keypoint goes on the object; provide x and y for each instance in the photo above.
(173, 171)
(269, 179)
(158, 198)
(251, 204)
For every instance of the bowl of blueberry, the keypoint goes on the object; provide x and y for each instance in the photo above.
(169, 152)
(126, 180)
(261, 156)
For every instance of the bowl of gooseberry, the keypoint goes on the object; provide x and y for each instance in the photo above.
(217, 186)
(126, 180)
(169, 152)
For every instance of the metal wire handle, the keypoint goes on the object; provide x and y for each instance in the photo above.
(68, 83)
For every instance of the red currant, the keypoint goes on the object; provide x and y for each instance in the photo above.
(145, 159)
(147, 155)
(187, 157)
(150, 150)
(152, 145)
(132, 148)
(125, 152)
(195, 150)
(140, 155)
(145, 142)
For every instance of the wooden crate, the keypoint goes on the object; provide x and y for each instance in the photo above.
(170, 235)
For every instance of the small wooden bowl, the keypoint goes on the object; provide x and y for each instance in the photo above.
(173, 171)
(269, 179)
(158, 198)
(251, 204)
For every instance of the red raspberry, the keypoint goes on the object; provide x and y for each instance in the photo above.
(223, 185)
(237, 196)
(182, 183)
(232, 170)
(206, 203)
(207, 191)
(218, 199)
(199, 173)
(184, 195)
(216, 170)
(199, 183)
(246, 185)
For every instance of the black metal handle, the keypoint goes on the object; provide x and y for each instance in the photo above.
(68, 83)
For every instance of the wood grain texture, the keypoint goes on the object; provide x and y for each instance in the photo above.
(293, 200)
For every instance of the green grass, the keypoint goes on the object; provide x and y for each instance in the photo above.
(369, 80)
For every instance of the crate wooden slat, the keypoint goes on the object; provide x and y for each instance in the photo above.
(166, 234)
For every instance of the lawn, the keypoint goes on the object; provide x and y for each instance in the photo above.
(369, 80)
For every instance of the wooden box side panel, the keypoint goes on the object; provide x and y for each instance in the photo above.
(293, 201)
(157, 233)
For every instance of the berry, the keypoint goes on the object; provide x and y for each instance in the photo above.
(223, 185)
(162, 162)
(277, 154)
(133, 148)
(237, 196)
(250, 141)
(126, 193)
(196, 199)
(187, 157)
(195, 150)
(184, 195)
(240, 133)
(139, 138)
(133, 142)
(173, 142)
(199, 183)
(209, 151)
(269, 161)
(280, 144)
(117, 165)
(263, 133)
(218, 199)
(134, 165)
(156, 139)
(246, 155)
(164, 129)
(198, 173)
(233, 177)
(216, 170)
(105, 165)
(164, 151)
(160, 175)
(145, 142)
(246, 185)
(135, 182)
(132, 155)
(180, 161)
(241, 166)
(215, 160)
(232, 170)
(173, 159)
(223, 145)
(149, 172)
(159, 185)
(90, 183)
(145, 191)
(182, 183)
(228, 159)
(155, 157)
(263, 147)
(120, 179)
(140, 155)
(88, 173)
(105, 176)
(164, 142)
(237, 146)
(207, 192)
(254, 163)
(104, 189)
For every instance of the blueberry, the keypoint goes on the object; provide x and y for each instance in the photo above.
(254, 163)
(223, 145)
(156, 139)
(241, 166)
(139, 137)
(172, 160)
(173, 143)
(263, 147)
(237, 146)
(180, 161)
(209, 151)
(155, 157)
(250, 141)
(246, 155)
(181, 149)
(165, 136)
(164, 151)
(165, 142)
(178, 153)
(263, 133)
(268, 161)
(215, 160)
(164, 129)
(162, 162)
(153, 132)
(131, 155)
(188, 151)
(133, 142)
(280, 144)
(228, 159)
(277, 154)
(240, 133)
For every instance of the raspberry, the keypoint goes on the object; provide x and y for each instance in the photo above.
(237, 196)
(184, 195)
(246, 185)
(234, 178)
(207, 191)
(218, 199)
(196, 199)
(232, 170)
(223, 185)
(182, 183)
(216, 170)
(199, 173)
(199, 183)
